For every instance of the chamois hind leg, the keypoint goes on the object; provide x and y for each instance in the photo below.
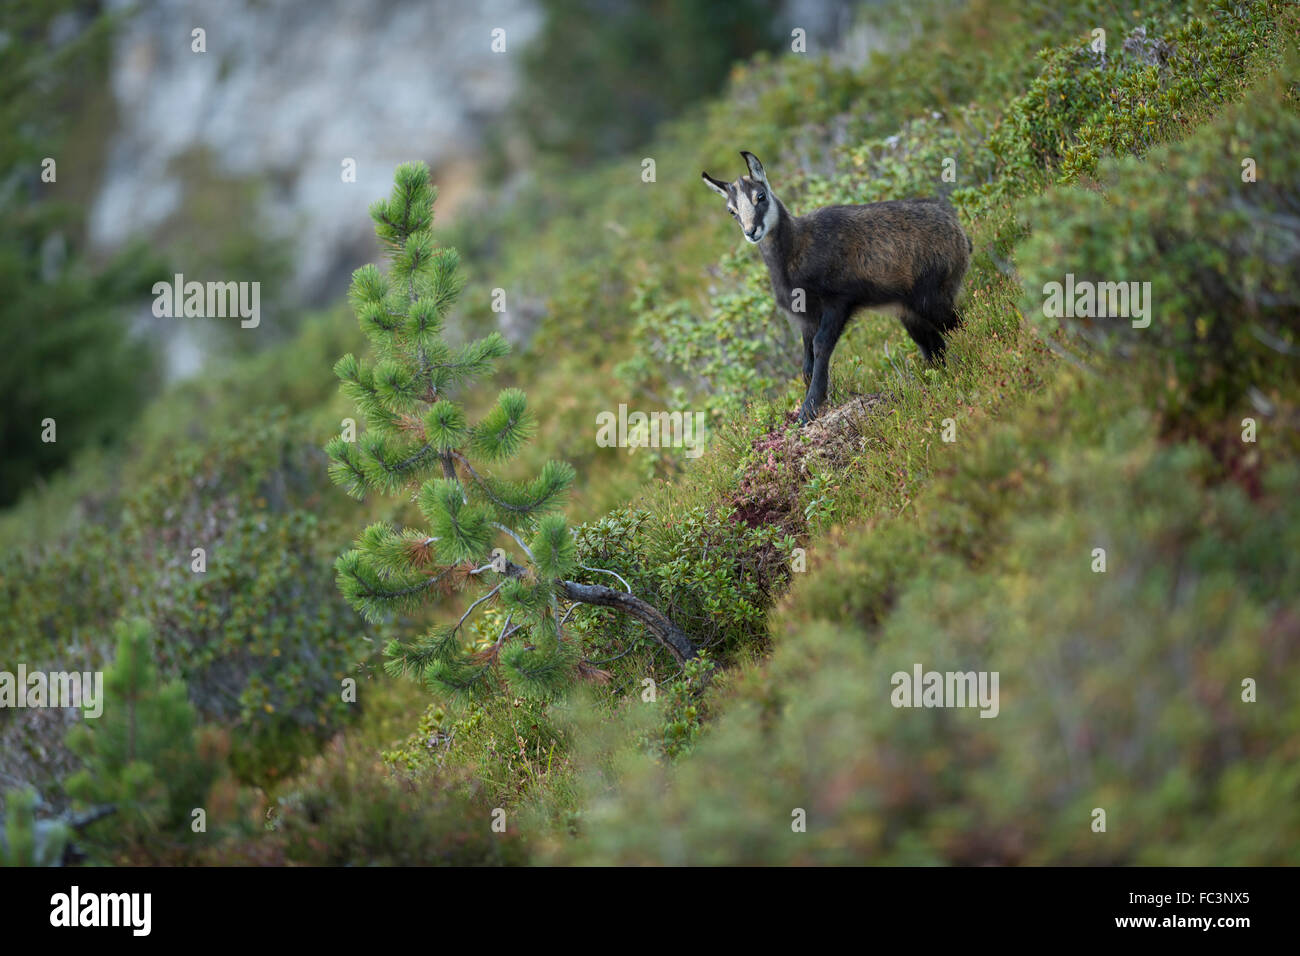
(943, 310)
(944, 319)
(923, 332)
(945, 316)
(928, 312)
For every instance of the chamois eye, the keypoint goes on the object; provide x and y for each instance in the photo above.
(731, 212)
(760, 197)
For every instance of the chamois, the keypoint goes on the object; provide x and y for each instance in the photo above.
(829, 263)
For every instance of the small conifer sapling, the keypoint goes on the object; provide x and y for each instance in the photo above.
(504, 541)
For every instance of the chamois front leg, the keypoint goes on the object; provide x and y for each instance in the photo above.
(828, 333)
(808, 356)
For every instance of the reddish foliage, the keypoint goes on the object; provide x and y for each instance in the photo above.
(768, 492)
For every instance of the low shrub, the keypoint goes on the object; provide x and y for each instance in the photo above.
(1218, 257)
(347, 810)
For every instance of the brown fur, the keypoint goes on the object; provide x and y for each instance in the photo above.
(909, 253)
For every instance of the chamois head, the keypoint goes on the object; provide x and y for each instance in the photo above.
(749, 199)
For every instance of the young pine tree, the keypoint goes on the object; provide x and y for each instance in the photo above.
(26, 841)
(504, 540)
(145, 754)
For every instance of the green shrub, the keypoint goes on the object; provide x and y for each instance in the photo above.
(57, 598)
(1120, 690)
(739, 350)
(261, 637)
(510, 743)
(66, 353)
(23, 840)
(1220, 256)
(685, 709)
(1086, 104)
(349, 811)
(145, 755)
(600, 75)
(714, 575)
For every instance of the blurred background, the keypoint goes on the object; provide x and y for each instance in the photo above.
(217, 159)
(245, 141)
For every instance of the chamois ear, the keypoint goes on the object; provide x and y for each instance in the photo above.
(717, 185)
(755, 167)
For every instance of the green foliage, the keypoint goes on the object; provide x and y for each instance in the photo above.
(348, 811)
(263, 654)
(144, 754)
(739, 350)
(61, 596)
(684, 709)
(65, 351)
(1121, 690)
(261, 637)
(512, 745)
(1085, 104)
(21, 841)
(601, 75)
(1220, 259)
(712, 574)
(419, 439)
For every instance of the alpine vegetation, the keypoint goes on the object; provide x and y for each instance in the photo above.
(831, 262)
(507, 539)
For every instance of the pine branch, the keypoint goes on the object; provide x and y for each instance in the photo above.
(660, 625)
(525, 501)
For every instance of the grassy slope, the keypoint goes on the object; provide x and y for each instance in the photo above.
(926, 547)
(976, 555)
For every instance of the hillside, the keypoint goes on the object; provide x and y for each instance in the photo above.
(947, 518)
